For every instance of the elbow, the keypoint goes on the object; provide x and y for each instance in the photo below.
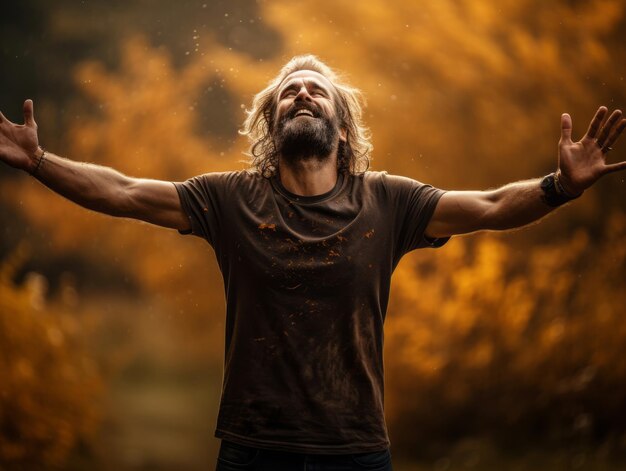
(492, 220)
(493, 214)
(501, 217)
(122, 200)
(127, 201)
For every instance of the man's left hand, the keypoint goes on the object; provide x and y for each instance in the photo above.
(582, 163)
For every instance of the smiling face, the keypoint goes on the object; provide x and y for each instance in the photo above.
(306, 119)
(339, 101)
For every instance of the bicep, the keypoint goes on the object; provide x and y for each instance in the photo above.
(156, 202)
(460, 212)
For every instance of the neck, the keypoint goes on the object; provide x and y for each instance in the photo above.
(309, 177)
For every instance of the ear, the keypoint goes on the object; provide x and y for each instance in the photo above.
(343, 135)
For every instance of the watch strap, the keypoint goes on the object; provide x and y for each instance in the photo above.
(553, 192)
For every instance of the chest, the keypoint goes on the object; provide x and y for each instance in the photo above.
(322, 250)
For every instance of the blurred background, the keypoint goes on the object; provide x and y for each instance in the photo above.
(502, 351)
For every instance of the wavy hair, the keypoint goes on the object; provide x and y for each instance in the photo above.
(353, 155)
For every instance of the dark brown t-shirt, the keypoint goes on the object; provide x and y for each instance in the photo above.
(307, 284)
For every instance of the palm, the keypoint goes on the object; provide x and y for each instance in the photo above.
(582, 163)
(18, 142)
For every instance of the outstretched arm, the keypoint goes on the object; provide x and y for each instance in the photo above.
(93, 186)
(580, 164)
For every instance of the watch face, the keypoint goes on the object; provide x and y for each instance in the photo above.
(550, 195)
(548, 182)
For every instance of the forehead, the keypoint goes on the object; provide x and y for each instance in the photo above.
(306, 76)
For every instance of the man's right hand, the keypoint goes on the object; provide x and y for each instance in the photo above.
(19, 144)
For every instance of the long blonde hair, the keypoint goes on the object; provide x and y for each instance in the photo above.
(353, 156)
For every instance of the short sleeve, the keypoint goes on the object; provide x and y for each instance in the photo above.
(201, 198)
(413, 206)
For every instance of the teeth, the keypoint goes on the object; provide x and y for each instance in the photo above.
(303, 112)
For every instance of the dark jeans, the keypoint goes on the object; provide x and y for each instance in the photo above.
(235, 457)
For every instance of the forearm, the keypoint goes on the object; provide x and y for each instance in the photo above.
(92, 186)
(515, 205)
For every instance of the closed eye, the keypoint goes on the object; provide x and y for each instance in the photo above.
(314, 89)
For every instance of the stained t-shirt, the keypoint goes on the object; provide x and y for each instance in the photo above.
(307, 284)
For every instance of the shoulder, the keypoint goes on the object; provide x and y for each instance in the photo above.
(229, 180)
(390, 183)
(231, 175)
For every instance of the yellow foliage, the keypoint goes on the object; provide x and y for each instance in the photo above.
(501, 322)
(48, 383)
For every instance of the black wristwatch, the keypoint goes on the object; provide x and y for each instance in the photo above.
(553, 193)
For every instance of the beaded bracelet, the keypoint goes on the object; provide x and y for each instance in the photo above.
(39, 162)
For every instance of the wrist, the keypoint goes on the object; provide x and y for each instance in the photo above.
(564, 187)
(35, 161)
(554, 194)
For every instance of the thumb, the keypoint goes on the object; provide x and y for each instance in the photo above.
(566, 128)
(29, 113)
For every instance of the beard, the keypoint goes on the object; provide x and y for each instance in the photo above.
(305, 138)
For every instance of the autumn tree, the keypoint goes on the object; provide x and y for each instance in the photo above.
(49, 383)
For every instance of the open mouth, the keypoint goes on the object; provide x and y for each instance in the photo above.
(303, 112)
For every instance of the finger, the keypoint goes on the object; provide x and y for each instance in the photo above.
(566, 127)
(29, 113)
(594, 126)
(615, 167)
(2, 118)
(615, 134)
(608, 127)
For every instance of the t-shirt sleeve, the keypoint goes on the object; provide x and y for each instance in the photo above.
(413, 206)
(201, 199)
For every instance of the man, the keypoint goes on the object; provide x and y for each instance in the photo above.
(307, 240)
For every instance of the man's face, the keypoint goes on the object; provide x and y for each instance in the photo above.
(306, 120)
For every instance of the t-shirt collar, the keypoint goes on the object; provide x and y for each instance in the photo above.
(278, 186)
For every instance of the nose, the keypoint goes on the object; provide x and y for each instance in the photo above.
(303, 94)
